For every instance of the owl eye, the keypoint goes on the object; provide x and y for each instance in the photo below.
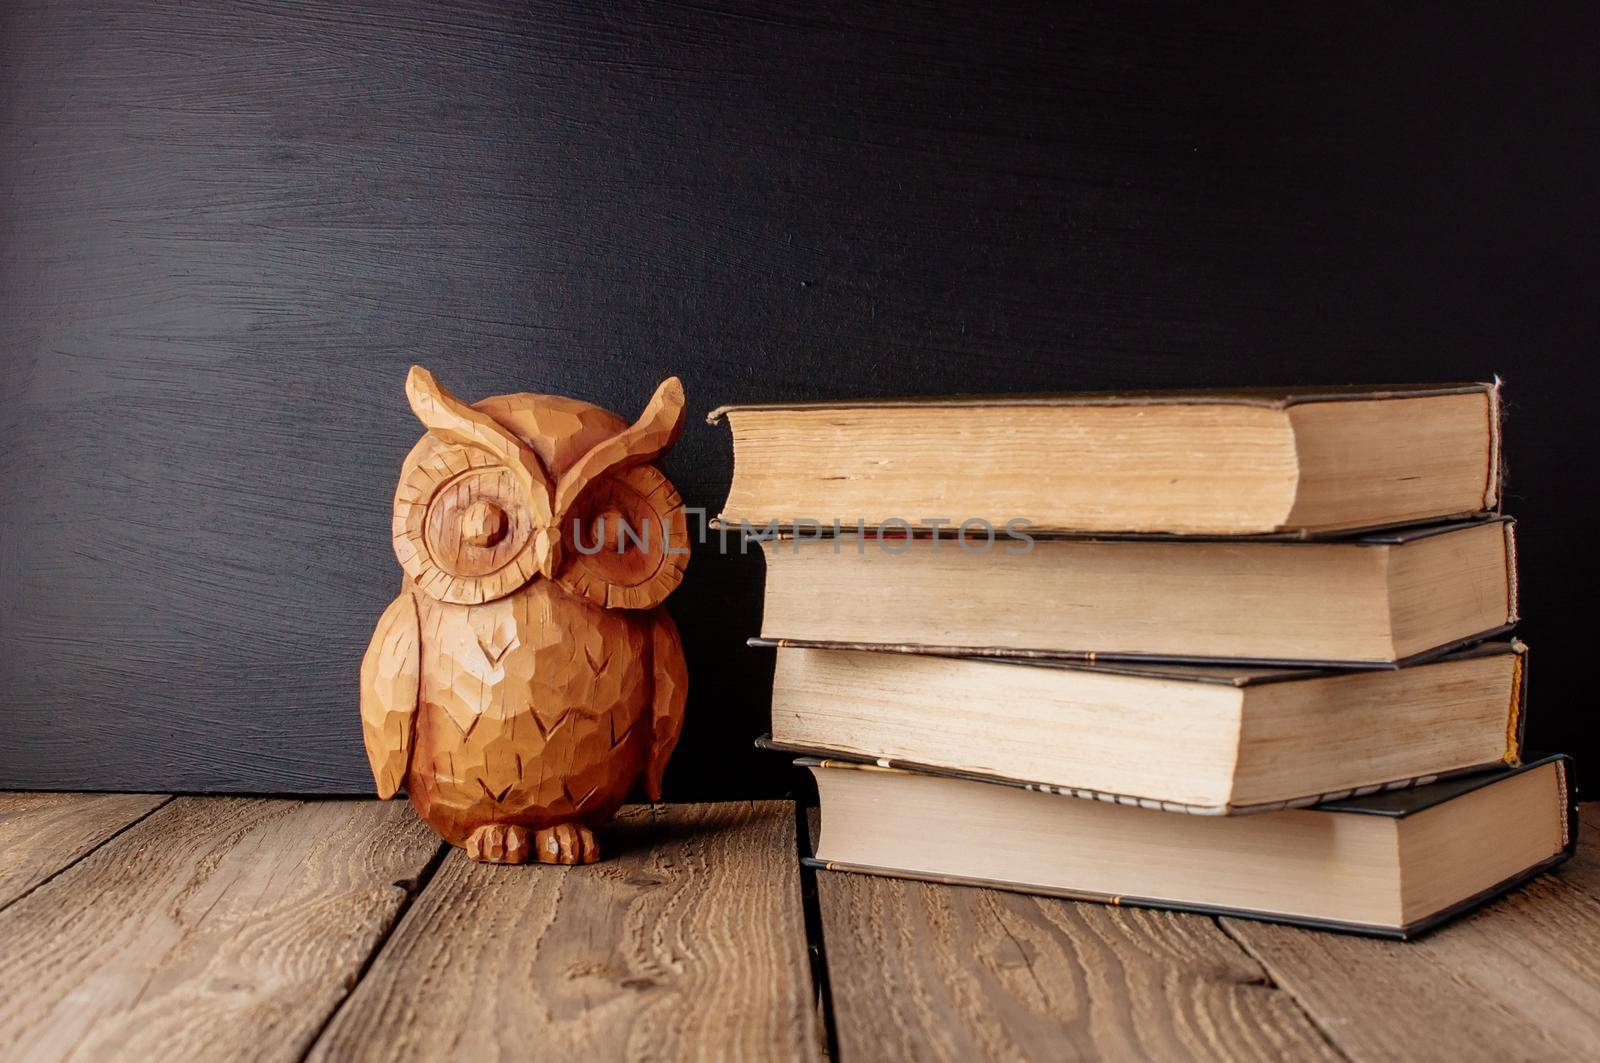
(475, 524)
(462, 528)
(608, 532)
(475, 512)
(484, 524)
(632, 540)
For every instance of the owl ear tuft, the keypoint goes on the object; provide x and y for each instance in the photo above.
(657, 428)
(454, 421)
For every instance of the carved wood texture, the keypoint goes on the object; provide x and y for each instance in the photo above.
(527, 676)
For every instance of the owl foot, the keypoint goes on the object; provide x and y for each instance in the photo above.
(567, 843)
(500, 843)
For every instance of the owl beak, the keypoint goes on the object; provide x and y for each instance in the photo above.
(547, 551)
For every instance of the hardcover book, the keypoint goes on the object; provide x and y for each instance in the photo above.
(1375, 601)
(1392, 864)
(1252, 462)
(1199, 739)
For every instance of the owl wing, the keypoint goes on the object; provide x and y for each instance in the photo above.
(671, 693)
(389, 675)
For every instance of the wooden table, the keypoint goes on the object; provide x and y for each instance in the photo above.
(139, 926)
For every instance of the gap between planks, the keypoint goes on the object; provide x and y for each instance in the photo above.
(806, 825)
(264, 928)
(932, 971)
(1357, 994)
(43, 835)
(1519, 977)
(413, 889)
(687, 941)
(212, 927)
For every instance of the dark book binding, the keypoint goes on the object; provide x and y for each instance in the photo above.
(1131, 657)
(1227, 671)
(1395, 804)
(1371, 535)
(1271, 398)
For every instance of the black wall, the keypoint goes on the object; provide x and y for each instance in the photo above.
(226, 230)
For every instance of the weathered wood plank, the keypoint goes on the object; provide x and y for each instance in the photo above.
(217, 928)
(42, 833)
(686, 942)
(1583, 870)
(925, 971)
(1518, 979)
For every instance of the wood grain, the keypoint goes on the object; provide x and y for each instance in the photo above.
(687, 944)
(224, 238)
(1583, 870)
(213, 929)
(925, 971)
(1517, 979)
(42, 833)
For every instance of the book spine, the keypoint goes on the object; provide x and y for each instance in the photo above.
(1496, 475)
(1564, 802)
(1517, 716)
(1512, 603)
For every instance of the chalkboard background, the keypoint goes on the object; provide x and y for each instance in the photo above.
(226, 230)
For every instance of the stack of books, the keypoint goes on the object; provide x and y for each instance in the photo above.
(1239, 652)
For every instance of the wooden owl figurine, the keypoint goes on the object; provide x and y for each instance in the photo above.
(527, 674)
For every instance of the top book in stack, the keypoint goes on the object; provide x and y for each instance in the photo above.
(1300, 463)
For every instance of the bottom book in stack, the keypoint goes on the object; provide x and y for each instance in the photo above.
(1393, 863)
